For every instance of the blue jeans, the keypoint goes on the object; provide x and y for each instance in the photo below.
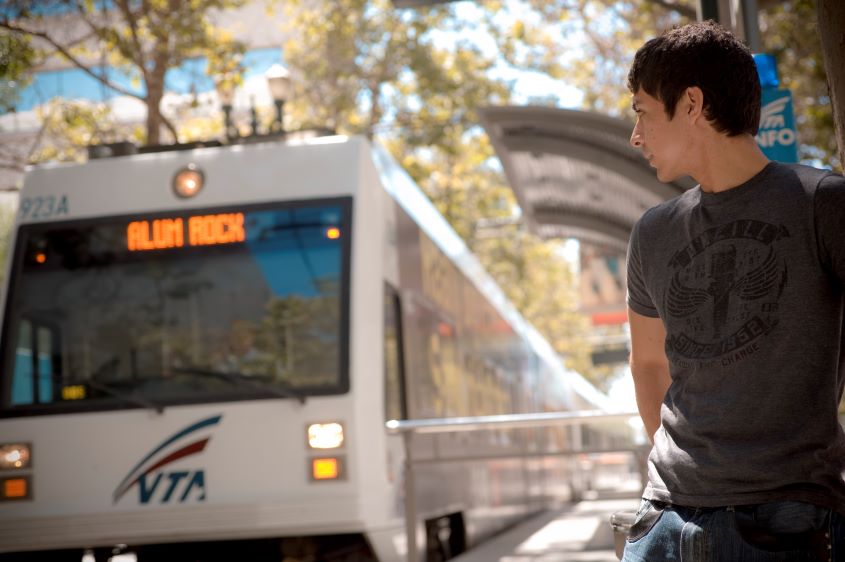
(770, 532)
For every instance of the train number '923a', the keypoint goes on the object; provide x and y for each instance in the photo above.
(46, 207)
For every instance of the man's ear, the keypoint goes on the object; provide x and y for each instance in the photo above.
(693, 102)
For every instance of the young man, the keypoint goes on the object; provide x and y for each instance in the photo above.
(735, 295)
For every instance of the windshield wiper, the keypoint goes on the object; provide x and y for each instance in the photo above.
(132, 398)
(243, 380)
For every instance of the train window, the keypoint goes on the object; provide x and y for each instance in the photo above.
(207, 306)
(438, 387)
(394, 374)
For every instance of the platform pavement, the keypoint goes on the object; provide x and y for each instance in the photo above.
(572, 533)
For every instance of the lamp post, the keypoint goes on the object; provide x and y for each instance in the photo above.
(226, 94)
(279, 82)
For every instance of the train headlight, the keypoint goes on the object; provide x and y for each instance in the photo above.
(188, 181)
(14, 456)
(325, 435)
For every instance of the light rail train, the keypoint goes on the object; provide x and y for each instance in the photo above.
(200, 349)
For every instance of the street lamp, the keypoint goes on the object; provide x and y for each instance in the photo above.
(278, 79)
(226, 94)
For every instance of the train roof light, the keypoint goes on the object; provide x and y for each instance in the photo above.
(188, 181)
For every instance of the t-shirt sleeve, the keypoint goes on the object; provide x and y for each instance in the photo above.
(829, 211)
(638, 297)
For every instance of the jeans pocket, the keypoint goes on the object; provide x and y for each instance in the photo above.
(786, 527)
(649, 514)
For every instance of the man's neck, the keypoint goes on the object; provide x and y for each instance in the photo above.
(728, 162)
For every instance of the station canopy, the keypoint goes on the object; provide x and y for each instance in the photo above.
(574, 173)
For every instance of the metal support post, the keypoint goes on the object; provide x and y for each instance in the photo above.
(227, 122)
(752, 25)
(708, 10)
(410, 500)
(253, 122)
(279, 125)
(740, 16)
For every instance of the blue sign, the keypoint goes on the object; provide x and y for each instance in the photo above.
(767, 70)
(777, 136)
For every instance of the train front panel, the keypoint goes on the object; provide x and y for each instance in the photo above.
(197, 366)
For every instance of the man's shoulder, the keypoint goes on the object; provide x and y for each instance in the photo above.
(812, 178)
(664, 212)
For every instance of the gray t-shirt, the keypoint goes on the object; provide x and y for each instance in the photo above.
(749, 286)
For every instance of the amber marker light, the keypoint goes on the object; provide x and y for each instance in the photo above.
(188, 181)
(325, 469)
(333, 233)
(15, 488)
(41, 257)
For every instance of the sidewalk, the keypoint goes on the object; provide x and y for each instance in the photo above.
(574, 533)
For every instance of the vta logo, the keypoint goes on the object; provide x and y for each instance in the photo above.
(181, 485)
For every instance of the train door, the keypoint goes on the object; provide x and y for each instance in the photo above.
(395, 397)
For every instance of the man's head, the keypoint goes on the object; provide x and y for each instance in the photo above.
(705, 56)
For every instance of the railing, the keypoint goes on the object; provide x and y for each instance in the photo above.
(408, 428)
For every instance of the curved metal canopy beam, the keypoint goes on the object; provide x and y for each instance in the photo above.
(574, 173)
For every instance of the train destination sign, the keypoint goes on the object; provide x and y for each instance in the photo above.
(198, 230)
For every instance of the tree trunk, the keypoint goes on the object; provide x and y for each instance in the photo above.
(155, 91)
(831, 14)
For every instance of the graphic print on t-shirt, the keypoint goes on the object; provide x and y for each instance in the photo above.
(724, 291)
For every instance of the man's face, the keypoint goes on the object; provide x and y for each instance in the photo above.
(663, 142)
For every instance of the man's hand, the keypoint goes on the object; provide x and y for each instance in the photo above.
(649, 367)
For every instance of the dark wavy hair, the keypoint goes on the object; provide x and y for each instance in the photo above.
(708, 56)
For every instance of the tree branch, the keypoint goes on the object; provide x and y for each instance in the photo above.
(72, 59)
(133, 27)
(602, 46)
(102, 34)
(12, 167)
(170, 127)
(677, 8)
(37, 142)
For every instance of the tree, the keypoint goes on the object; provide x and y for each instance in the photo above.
(142, 39)
(7, 220)
(831, 18)
(16, 59)
(789, 31)
(363, 67)
(588, 43)
(608, 32)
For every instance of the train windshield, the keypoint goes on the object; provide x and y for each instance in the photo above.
(156, 310)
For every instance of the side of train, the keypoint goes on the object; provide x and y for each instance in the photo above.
(200, 350)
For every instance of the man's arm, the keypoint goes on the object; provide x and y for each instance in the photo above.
(649, 367)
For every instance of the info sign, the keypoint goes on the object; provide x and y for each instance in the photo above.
(777, 136)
